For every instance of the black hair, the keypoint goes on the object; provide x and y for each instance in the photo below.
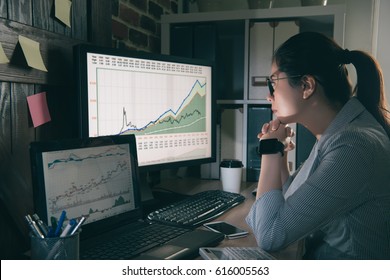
(312, 53)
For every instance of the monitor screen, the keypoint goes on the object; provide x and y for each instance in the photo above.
(92, 177)
(167, 102)
(94, 182)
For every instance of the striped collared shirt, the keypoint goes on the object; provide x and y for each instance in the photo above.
(344, 193)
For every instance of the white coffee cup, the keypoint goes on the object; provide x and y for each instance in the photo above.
(231, 173)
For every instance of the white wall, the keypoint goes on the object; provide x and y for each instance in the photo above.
(366, 28)
(381, 44)
(358, 27)
(358, 23)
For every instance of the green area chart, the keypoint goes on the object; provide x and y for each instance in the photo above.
(190, 117)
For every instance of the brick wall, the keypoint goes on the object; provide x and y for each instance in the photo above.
(135, 23)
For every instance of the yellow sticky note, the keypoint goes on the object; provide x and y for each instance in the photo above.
(62, 10)
(3, 57)
(31, 53)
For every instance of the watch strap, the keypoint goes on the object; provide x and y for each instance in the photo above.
(270, 146)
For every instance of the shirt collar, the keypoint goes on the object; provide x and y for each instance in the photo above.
(351, 110)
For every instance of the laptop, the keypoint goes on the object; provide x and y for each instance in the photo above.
(97, 178)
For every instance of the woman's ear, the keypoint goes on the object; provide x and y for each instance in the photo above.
(308, 86)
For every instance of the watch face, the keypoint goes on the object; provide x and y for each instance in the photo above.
(270, 146)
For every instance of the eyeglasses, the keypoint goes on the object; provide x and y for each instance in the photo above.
(272, 84)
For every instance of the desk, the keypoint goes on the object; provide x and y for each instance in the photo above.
(235, 216)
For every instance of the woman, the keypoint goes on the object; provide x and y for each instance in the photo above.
(338, 201)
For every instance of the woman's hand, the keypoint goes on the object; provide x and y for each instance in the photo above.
(282, 132)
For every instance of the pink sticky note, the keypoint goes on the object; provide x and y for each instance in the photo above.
(38, 109)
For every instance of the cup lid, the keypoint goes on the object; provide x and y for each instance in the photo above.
(231, 163)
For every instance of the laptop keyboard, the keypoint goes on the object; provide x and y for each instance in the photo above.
(131, 244)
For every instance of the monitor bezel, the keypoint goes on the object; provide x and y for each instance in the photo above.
(81, 83)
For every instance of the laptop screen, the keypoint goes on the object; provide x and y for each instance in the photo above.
(95, 177)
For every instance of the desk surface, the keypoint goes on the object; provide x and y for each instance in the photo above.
(235, 216)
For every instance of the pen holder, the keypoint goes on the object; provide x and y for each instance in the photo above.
(55, 248)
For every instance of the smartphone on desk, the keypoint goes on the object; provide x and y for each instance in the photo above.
(229, 230)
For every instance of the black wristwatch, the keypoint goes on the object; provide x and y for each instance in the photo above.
(270, 146)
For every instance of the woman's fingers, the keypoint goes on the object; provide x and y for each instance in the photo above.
(289, 131)
(275, 124)
(290, 146)
(274, 129)
(265, 128)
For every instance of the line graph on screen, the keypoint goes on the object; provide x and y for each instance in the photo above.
(188, 117)
(142, 105)
(92, 181)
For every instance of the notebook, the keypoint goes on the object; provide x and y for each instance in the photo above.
(235, 253)
(98, 178)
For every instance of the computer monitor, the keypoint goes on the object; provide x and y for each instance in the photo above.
(167, 102)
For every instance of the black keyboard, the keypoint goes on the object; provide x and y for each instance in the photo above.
(130, 244)
(197, 209)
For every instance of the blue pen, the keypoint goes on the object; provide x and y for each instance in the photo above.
(59, 224)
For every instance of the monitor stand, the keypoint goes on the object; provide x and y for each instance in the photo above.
(146, 191)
